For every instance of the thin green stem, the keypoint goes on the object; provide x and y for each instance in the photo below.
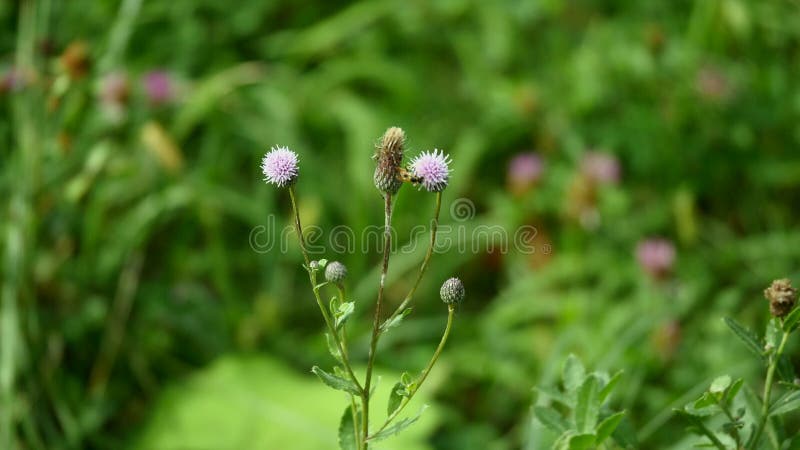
(353, 406)
(773, 364)
(424, 266)
(425, 372)
(312, 277)
(387, 244)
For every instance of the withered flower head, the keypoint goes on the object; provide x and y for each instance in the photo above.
(782, 297)
(389, 158)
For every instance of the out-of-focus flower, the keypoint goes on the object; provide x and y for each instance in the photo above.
(656, 256)
(524, 171)
(712, 84)
(601, 168)
(12, 80)
(433, 169)
(666, 339)
(75, 59)
(159, 87)
(389, 158)
(280, 166)
(114, 92)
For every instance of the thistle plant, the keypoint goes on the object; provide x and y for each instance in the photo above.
(750, 421)
(429, 171)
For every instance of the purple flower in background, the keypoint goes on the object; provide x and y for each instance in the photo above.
(433, 168)
(524, 170)
(280, 166)
(656, 256)
(712, 84)
(602, 168)
(159, 87)
(12, 80)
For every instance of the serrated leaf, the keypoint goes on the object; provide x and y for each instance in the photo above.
(573, 373)
(397, 427)
(790, 321)
(786, 403)
(347, 430)
(747, 337)
(395, 321)
(555, 395)
(396, 398)
(587, 407)
(550, 418)
(336, 382)
(343, 313)
(609, 387)
(607, 426)
(720, 384)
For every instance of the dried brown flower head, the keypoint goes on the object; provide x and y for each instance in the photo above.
(389, 158)
(782, 297)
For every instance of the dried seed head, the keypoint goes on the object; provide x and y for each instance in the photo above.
(335, 272)
(389, 157)
(781, 296)
(452, 291)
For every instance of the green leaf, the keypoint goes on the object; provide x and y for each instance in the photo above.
(607, 426)
(720, 384)
(397, 427)
(336, 382)
(571, 440)
(343, 313)
(573, 373)
(791, 321)
(333, 349)
(749, 338)
(587, 408)
(787, 403)
(609, 387)
(773, 334)
(347, 430)
(396, 398)
(551, 419)
(395, 321)
(555, 395)
(733, 390)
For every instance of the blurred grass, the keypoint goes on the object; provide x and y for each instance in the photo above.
(126, 259)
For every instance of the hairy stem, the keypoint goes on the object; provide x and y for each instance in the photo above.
(424, 266)
(312, 277)
(773, 364)
(387, 244)
(425, 372)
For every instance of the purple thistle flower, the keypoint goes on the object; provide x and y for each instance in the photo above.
(433, 168)
(656, 256)
(280, 166)
(159, 87)
(601, 167)
(524, 170)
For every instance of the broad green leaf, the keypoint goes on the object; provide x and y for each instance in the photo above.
(391, 323)
(587, 407)
(397, 427)
(747, 337)
(343, 313)
(787, 403)
(347, 430)
(791, 320)
(607, 426)
(571, 440)
(720, 384)
(573, 373)
(336, 382)
(395, 398)
(609, 387)
(551, 419)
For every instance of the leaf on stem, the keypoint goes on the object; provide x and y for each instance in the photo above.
(573, 373)
(336, 382)
(397, 427)
(333, 348)
(587, 407)
(791, 321)
(347, 437)
(343, 312)
(607, 426)
(396, 397)
(551, 419)
(787, 403)
(394, 321)
(749, 338)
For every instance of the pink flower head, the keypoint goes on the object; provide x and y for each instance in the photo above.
(656, 256)
(433, 169)
(159, 87)
(280, 166)
(601, 168)
(524, 170)
(712, 84)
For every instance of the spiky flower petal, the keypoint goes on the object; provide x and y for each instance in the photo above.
(335, 272)
(389, 157)
(280, 166)
(452, 291)
(433, 169)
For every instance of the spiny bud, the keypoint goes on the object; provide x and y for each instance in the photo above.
(452, 291)
(782, 297)
(335, 272)
(389, 157)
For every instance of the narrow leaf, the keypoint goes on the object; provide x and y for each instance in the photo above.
(336, 382)
(397, 427)
(395, 321)
(607, 426)
(609, 387)
(747, 337)
(396, 398)
(333, 349)
(785, 404)
(343, 313)
(551, 419)
(791, 321)
(347, 430)
(587, 408)
(573, 373)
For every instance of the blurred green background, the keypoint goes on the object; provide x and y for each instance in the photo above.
(652, 146)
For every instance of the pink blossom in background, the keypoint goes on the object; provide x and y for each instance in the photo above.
(12, 80)
(712, 84)
(602, 168)
(113, 93)
(159, 87)
(524, 170)
(656, 256)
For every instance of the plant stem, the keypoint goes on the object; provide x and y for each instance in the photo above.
(425, 372)
(424, 266)
(773, 363)
(312, 277)
(376, 324)
(353, 406)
